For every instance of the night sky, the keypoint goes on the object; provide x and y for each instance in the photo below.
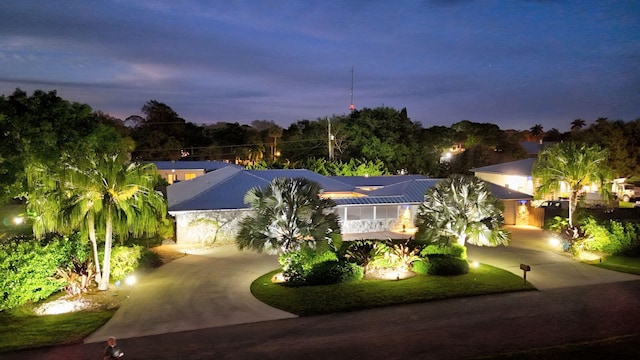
(512, 63)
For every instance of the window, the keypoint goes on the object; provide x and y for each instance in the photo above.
(189, 176)
(360, 213)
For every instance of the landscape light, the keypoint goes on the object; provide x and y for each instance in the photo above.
(18, 220)
(130, 280)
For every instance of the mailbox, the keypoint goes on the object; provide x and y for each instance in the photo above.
(525, 267)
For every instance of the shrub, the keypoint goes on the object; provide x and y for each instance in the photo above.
(29, 267)
(420, 267)
(308, 267)
(127, 259)
(333, 272)
(446, 265)
(454, 250)
(612, 237)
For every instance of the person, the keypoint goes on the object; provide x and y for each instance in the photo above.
(112, 351)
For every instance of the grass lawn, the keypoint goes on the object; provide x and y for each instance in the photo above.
(21, 329)
(325, 299)
(625, 264)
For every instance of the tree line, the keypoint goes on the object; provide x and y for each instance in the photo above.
(41, 126)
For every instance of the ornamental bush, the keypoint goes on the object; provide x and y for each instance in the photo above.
(28, 267)
(447, 266)
(308, 267)
(611, 236)
(454, 250)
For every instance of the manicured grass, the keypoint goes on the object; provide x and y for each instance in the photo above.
(325, 299)
(625, 264)
(20, 329)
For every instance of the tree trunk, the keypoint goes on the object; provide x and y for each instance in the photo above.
(106, 262)
(94, 247)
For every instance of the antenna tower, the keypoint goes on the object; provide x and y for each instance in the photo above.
(351, 106)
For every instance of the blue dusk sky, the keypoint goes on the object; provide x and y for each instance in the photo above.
(514, 63)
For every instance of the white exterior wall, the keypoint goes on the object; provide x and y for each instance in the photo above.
(518, 183)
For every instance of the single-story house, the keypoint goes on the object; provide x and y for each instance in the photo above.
(209, 207)
(514, 175)
(176, 171)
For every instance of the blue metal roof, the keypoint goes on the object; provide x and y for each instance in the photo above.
(224, 189)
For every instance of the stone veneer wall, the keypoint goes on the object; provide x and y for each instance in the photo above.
(207, 227)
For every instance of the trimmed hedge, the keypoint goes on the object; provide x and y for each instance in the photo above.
(447, 266)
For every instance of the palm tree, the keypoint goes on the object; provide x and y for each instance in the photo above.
(537, 131)
(574, 165)
(119, 195)
(463, 209)
(288, 214)
(577, 124)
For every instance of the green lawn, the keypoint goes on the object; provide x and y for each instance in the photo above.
(20, 329)
(314, 300)
(625, 264)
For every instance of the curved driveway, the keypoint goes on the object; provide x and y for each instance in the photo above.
(211, 289)
(203, 290)
(550, 268)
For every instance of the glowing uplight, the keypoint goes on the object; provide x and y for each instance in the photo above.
(278, 278)
(475, 264)
(554, 241)
(130, 280)
(18, 220)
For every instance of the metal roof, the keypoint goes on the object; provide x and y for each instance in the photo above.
(225, 189)
(518, 167)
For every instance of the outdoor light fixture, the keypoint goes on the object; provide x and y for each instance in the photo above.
(475, 264)
(18, 220)
(130, 280)
(554, 241)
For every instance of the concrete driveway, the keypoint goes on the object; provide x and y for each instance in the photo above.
(203, 290)
(550, 267)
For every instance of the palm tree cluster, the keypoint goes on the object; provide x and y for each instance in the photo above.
(104, 192)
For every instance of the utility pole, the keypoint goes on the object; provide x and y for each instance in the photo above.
(330, 139)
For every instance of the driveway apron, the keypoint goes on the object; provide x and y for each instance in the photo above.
(203, 290)
(550, 267)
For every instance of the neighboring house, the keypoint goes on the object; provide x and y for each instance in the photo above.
(209, 207)
(176, 171)
(515, 175)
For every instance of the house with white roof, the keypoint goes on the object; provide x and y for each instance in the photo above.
(209, 207)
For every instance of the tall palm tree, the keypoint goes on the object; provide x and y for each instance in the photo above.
(288, 214)
(119, 196)
(577, 124)
(463, 209)
(576, 166)
(537, 131)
